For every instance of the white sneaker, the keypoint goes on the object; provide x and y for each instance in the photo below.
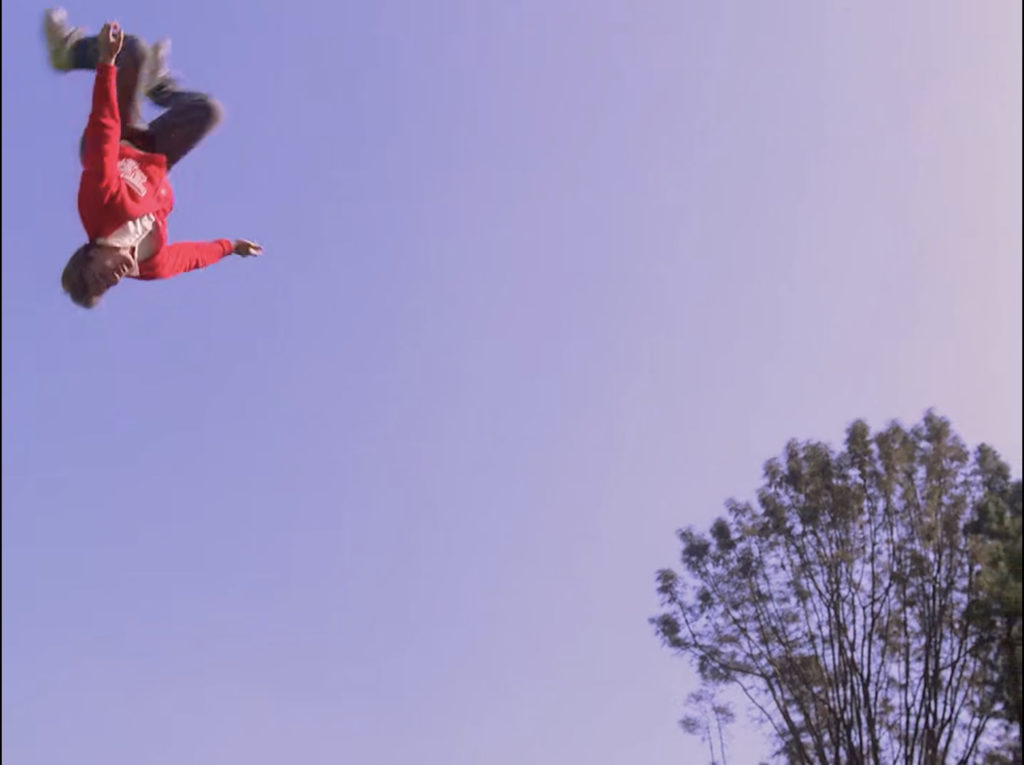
(158, 74)
(60, 36)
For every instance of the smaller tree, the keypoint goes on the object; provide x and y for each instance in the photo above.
(707, 718)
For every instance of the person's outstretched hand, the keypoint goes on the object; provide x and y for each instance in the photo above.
(245, 248)
(111, 38)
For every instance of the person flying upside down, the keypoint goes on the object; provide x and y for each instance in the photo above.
(124, 196)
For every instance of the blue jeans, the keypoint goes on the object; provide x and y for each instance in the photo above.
(187, 118)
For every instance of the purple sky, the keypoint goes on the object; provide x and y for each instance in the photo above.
(543, 282)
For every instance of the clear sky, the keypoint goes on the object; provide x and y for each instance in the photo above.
(544, 281)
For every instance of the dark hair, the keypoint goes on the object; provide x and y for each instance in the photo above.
(73, 278)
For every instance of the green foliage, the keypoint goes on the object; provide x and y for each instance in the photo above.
(995, 536)
(707, 717)
(869, 605)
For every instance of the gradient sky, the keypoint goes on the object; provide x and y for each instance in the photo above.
(544, 281)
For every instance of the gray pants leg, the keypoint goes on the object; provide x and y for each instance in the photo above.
(131, 61)
(189, 116)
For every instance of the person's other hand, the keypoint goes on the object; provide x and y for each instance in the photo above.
(245, 248)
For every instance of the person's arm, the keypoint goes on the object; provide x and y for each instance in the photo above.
(180, 257)
(103, 131)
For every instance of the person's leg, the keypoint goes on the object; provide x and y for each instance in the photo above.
(131, 63)
(189, 117)
(71, 48)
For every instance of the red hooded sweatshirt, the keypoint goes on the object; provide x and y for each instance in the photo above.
(121, 184)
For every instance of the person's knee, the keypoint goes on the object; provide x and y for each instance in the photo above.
(213, 112)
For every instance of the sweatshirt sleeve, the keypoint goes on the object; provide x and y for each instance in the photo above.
(180, 257)
(102, 135)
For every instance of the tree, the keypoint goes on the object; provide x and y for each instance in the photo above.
(855, 606)
(705, 711)
(995, 531)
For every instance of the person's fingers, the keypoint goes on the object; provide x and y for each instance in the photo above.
(246, 247)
